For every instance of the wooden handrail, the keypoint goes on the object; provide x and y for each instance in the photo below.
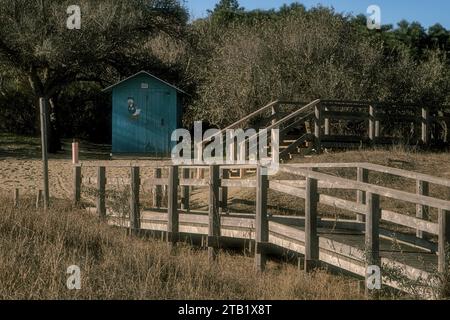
(377, 168)
(382, 191)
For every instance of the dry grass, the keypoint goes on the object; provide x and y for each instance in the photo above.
(37, 247)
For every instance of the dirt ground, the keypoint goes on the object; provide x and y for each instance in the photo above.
(20, 167)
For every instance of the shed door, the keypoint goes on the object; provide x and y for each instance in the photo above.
(158, 116)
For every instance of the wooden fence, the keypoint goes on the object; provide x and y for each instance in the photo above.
(309, 184)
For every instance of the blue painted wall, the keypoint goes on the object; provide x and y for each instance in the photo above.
(149, 129)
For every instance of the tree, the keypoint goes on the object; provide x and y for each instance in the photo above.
(35, 42)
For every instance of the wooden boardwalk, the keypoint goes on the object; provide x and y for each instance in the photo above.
(408, 249)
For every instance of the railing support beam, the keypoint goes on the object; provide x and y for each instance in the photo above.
(311, 236)
(173, 215)
(213, 215)
(262, 224)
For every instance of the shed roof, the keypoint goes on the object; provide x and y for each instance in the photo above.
(146, 73)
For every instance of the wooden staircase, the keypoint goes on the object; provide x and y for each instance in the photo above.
(308, 128)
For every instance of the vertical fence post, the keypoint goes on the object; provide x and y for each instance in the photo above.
(173, 216)
(214, 217)
(101, 192)
(224, 192)
(44, 117)
(327, 123)
(75, 152)
(157, 190)
(423, 189)
(425, 126)
(16, 198)
(135, 214)
(311, 236)
(444, 240)
(373, 231)
(372, 124)
(262, 223)
(185, 191)
(76, 184)
(318, 127)
(38, 199)
(362, 176)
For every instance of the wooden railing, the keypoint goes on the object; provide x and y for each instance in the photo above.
(375, 125)
(367, 204)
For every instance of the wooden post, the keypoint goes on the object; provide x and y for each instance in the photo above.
(425, 126)
(224, 192)
(75, 152)
(101, 192)
(311, 236)
(157, 190)
(16, 198)
(214, 217)
(373, 229)
(76, 185)
(43, 114)
(444, 240)
(38, 199)
(135, 214)
(262, 223)
(372, 124)
(422, 211)
(318, 127)
(173, 217)
(362, 176)
(185, 191)
(327, 123)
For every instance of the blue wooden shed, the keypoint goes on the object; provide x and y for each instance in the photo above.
(145, 112)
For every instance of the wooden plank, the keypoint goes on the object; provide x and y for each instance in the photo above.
(194, 182)
(406, 174)
(410, 222)
(362, 176)
(173, 218)
(135, 216)
(213, 215)
(311, 236)
(262, 224)
(423, 189)
(238, 183)
(345, 115)
(76, 185)
(382, 191)
(444, 240)
(101, 192)
(157, 189)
